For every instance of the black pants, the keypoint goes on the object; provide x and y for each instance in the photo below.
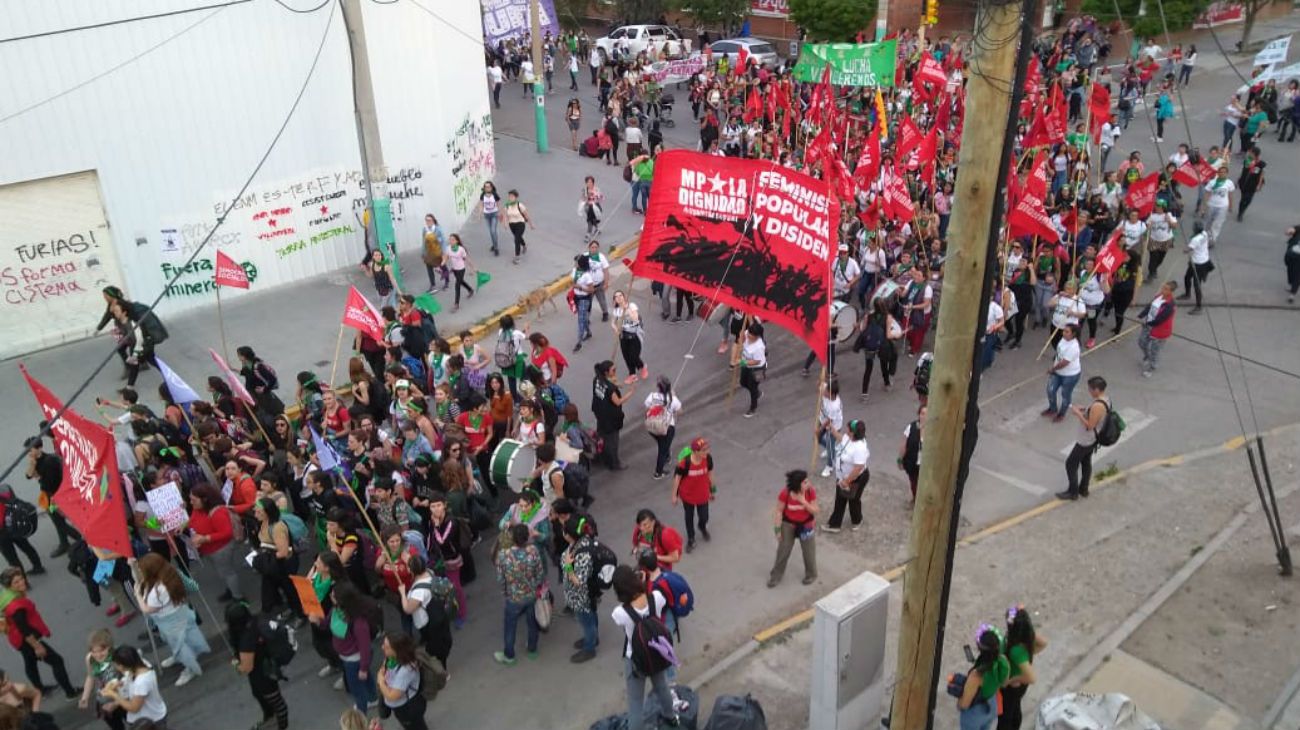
(460, 282)
(1195, 274)
(610, 456)
(749, 382)
(663, 445)
(851, 499)
(1010, 718)
(517, 230)
(116, 720)
(1078, 469)
(52, 658)
(690, 510)
(133, 371)
(266, 691)
(436, 637)
(411, 715)
(1293, 272)
(594, 71)
(1093, 314)
(278, 592)
(66, 532)
(1154, 259)
(1160, 127)
(689, 300)
(1016, 326)
(323, 642)
(830, 359)
(631, 348)
(1120, 301)
(7, 549)
(888, 366)
(496, 95)
(1246, 197)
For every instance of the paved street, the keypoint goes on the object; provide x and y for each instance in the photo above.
(1187, 405)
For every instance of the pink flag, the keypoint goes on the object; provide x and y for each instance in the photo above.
(236, 384)
(359, 313)
(230, 273)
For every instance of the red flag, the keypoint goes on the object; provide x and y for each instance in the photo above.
(230, 273)
(236, 382)
(842, 180)
(1036, 182)
(944, 112)
(897, 200)
(1070, 221)
(742, 64)
(1111, 256)
(1141, 195)
(821, 97)
(868, 168)
(91, 495)
(1187, 175)
(909, 138)
(928, 151)
(1099, 110)
(1048, 127)
(1028, 217)
(360, 314)
(779, 226)
(871, 216)
(1033, 77)
(753, 107)
(820, 147)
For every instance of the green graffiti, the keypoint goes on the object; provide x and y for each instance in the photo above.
(303, 243)
(206, 285)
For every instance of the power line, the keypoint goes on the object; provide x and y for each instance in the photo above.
(106, 72)
(122, 21)
(303, 12)
(230, 208)
(478, 41)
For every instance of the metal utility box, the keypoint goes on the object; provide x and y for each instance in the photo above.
(848, 666)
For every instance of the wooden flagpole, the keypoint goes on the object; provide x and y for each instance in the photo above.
(221, 324)
(338, 346)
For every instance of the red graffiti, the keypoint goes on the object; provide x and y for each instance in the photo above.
(31, 284)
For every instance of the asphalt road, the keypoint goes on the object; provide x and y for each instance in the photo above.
(1189, 403)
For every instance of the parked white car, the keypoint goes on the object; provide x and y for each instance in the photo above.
(758, 49)
(632, 39)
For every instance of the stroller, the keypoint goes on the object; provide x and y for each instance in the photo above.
(666, 110)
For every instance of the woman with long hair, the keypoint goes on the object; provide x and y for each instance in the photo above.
(212, 526)
(399, 681)
(631, 337)
(161, 595)
(752, 359)
(251, 660)
(489, 206)
(459, 262)
(351, 622)
(381, 270)
(662, 405)
(977, 706)
(1023, 642)
(136, 690)
(367, 390)
(276, 559)
(518, 219)
(590, 204)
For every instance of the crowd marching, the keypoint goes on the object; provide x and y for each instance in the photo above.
(364, 510)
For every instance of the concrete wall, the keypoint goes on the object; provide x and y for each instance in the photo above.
(172, 114)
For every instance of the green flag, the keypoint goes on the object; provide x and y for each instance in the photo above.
(481, 278)
(852, 64)
(427, 303)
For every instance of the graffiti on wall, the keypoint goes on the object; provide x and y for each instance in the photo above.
(196, 278)
(473, 159)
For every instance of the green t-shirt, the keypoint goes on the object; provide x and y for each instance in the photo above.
(992, 680)
(1018, 654)
(1256, 119)
(645, 170)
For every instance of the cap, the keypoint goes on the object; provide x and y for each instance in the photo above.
(1161, 203)
(403, 383)
(844, 247)
(33, 442)
(699, 444)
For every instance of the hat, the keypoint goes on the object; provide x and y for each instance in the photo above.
(1161, 203)
(403, 383)
(699, 444)
(844, 247)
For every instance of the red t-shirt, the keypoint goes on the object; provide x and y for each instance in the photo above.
(244, 495)
(216, 525)
(793, 511)
(668, 542)
(476, 436)
(694, 487)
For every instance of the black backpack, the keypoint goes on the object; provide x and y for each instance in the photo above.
(603, 562)
(266, 374)
(652, 644)
(428, 327)
(577, 484)
(1111, 426)
(20, 518)
(872, 338)
(414, 340)
(278, 639)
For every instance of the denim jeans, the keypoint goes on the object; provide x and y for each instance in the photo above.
(513, 611)
(641, 192)
(182, 635)
(584, 317)
(827, 441)
(636, 694)
(363, 692)
(1065, 384)
(664, 447)
(590, 623)
(1150, 347)
(979, 716)
(491, 220)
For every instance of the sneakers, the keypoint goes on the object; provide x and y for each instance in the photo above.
(186, 677)
(809, 579)
(1091, 341)
(657, 476)
(826, 471)
(168, 663)
(704, 533)
(325, 671)
(339, 685)
(582, 656)
(40, 569)
(112, 610)
(690, 546)
(750, 413)
(1067, 496)
(501, 658)
(1195, 310)
(679, 704)
(125, 619)
(831, 530)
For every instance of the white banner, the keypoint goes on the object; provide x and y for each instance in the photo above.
(1274, 52)
(672, 72)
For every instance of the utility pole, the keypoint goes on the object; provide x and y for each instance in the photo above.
(996, 77)
(539, 74)
(378, 213)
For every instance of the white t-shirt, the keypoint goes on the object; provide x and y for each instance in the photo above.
(1068, 350)
(845, 270)
(995, 315)
(629, 625)
(632, 135)
(1219, 191)
(873, 261)
(657, 399)
(145, 684)
(852, 455)
(1161, 226)
(1133, 231)
(1199, 248)
(159, 598)
(832, 412)
(1068, 310)
(526, 71)
(755, 351)
(586, 284)
(495, 75)
(1109, 133)
(423, 594)
(456, 256)
(1091, 292)
(490, 204)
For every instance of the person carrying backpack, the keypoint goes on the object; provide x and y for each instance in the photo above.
(648, 646)
(17, 523)
(1078, 465)
(253, 639)
(579, 565)
(672, 587)
(399, 682)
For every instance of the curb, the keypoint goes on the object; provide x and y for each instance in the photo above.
(802, 618)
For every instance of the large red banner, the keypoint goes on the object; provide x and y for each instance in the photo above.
(230, 273)
(360, 314)
(91, 495)
(757, 235)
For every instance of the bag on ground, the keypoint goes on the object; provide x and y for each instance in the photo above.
(732, 712)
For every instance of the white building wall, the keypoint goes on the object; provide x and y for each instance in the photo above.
(172, 135)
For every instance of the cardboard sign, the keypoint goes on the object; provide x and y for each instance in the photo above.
(168, 505)
(307, 596)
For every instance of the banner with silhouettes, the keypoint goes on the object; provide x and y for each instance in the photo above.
(757, 236)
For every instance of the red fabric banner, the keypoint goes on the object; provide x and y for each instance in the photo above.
(1141, 195)
(758, 236)
(897, 200)
(1098, 110)
(236, 382)
(230, 273)
(909, 138)
(1029, 217)
(930, 71)
(1112, 255)
(868, 168)
(1048, 127)
(1194, 175)
(1036, 182)
(360, 314)
(91, 496)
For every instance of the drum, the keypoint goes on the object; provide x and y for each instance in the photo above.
(512, 464)
(885, 289)
(566, 453)
(845, 318)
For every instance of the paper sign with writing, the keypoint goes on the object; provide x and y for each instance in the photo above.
(168, 506)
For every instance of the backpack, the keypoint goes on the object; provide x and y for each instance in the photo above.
(414, 340)
(506, 353)
(681, 599)
(658, 419)
(297, 530)
(279, 639)
(652, 645)
(266, 374)
(433, 675)
(603, 562)
(415, 367)
(1111, 427)
(577, 484)
(428, 327)
(558, 396)
(921, 376)
(873, 337)
(20, 518)
(237, 532)
(627, 173)
(444, 594)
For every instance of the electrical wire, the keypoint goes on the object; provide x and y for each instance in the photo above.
(478, 40)
(110, 23)
(123, 64)
(230, 208)
(303, 12)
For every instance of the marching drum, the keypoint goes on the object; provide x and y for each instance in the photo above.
(885, 289)
(845, 318)
(513, 463)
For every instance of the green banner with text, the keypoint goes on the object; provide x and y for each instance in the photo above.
(852, 64)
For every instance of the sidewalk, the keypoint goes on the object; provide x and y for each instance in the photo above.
(1200, 631)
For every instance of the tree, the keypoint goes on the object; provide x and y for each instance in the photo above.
(1250, 9)
(639, 11)
(725, 14)
(571, 12)
(1144, 18)
(833, 20)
